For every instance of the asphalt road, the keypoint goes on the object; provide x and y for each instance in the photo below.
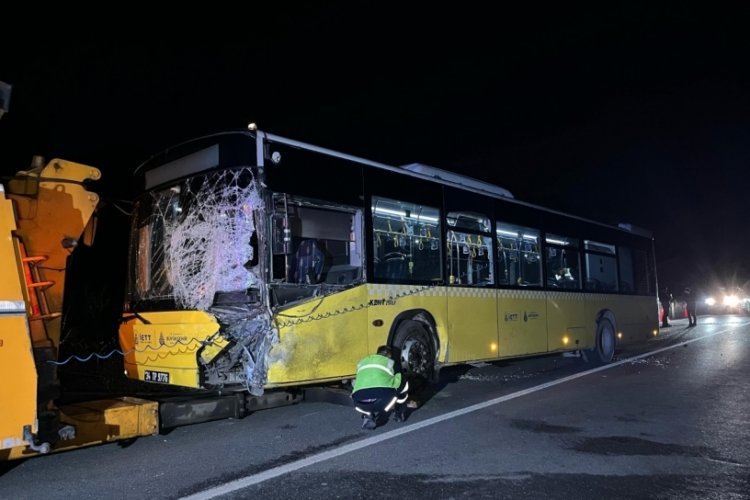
(668, 420)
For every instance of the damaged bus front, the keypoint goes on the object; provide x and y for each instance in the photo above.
(221, 266)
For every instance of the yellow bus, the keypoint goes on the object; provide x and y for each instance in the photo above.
(261, 263)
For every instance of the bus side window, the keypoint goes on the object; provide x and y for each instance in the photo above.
(324, 244)
(600, 262)
(562, 259)
(625, 262)
(519, 263)
(406, 241)
(469, 246)
(507, 261)
(532, 270)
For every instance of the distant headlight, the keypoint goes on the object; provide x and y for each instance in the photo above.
(711, 301)
(731, 301)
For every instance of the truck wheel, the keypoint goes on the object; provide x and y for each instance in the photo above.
(417, 355)
(604, 351)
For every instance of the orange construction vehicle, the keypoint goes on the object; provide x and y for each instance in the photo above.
(45, 212)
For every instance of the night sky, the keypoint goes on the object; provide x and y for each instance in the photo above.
(639, 116)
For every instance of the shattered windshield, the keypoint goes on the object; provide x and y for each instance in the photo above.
(196, 238)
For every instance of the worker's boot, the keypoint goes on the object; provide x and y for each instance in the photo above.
(368, 423)
(398, 414)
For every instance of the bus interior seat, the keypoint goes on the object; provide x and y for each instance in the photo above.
(308, 262)
(392, 267)
(568, 284)
(594, 285)
(342, 275)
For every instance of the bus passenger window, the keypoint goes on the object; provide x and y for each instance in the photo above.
(562, 262)
(625, 259)
(469, 250)
(469, 260)
(601, 266)
(643, 272)
(406, 241)
(325, 244)
(519, 263)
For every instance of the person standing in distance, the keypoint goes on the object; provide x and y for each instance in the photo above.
(690, 306)
(666, 302)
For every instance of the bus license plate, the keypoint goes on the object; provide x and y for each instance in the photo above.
(151, 376)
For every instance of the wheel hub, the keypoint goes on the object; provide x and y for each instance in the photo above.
(414, 357)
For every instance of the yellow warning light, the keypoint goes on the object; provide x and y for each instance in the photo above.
(493, 347)
(619, 335)
(565, 340)
(655, 332)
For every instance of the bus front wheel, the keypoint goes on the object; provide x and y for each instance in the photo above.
(604, 350)
(413, 341)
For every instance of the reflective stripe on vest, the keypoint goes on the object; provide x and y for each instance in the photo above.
(389, 371)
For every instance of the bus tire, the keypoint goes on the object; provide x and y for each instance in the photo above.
(416, 351)
(604, 350)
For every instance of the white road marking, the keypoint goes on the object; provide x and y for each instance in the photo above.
(260, 477)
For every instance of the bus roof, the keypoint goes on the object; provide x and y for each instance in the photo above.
(419, 170)
(459, 179)
(450, 178)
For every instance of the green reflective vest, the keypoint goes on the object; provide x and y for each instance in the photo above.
(376, 371)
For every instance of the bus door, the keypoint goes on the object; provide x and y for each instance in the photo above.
(472, 301)
(521, 305)
(565, 299)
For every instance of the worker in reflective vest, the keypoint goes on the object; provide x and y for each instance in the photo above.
(379, 389)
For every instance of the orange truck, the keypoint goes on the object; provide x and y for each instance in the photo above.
(45, 212)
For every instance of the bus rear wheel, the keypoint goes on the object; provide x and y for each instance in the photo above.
(604, 350)
(414, 343)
